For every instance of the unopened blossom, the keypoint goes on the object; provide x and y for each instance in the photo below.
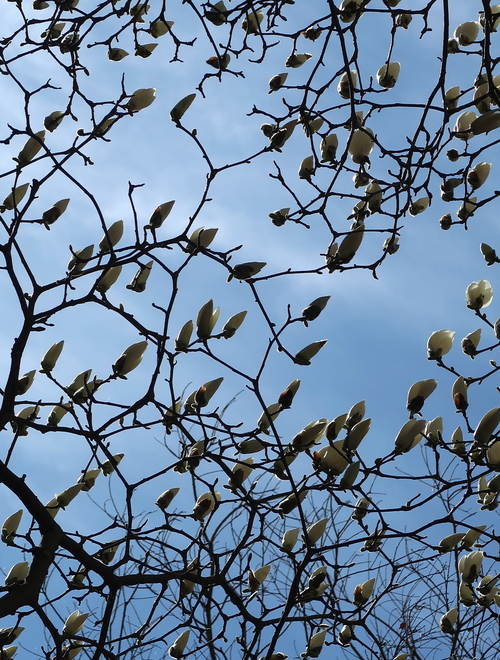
(478, 295)
(469, 566)
(296, 60)
(465, 594)
(252, 21)
(107, 554)
(463, 125)
(158, 28)
(388, 74)
(200, 238)
(87, 479)
(130, 359)
(439, 343)
(418, 393)
(17, 574)
(350, 9)
(8, 635)
(350, 244)
(30, 413)
(240, 471)
(165, 499)
(184, 337)
(116, 54)
(25, 382)
(109, 277)
(74, 623)
(449, 542)
(495, 15)
(307, 168)
(448, 620)
(52, 121)
(256, 579)
(9, 527)
(305, 355)
(478, 175)
(331, 458)
(141, 99)
(205, 504)
(206, 392)
(109, 465)
(487, 426)
(315, 531)
(459, 394)
(433, 431)
(310, 435)
(277, 81)
(181, 107)
(328, 148)
(470, 342)
(54, 212)
(363, 592)
(247, 270)
(14, 198)
(418, 206)
(290, 538)
(485, 123)
(361, 146)
(472, 536)
(268, 416)
(281, 465)
(336, 425)
(206, 319)
(360, 509)
(280, 216)
(285, 399)
(347, 84)
(489, 254)
(289, 503)
(79, 260)
(160, 213)
(466, 33)
(68, 495)
(451, 97)
(178, 647)
(409, 435)
(315, 644)
(403, 20)
(111, 237)
(345, 635)
(482, 100)
(467, 208)
(281, 135)
(31, 148)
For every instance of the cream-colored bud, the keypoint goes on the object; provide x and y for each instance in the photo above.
(418, 206)
(304, 356)
(159, 215)
(449, 542)
(466, 33)
(252, 21)
(52, 121)
(360, 509)
(409, 435)
(296, 60)
(17, 574)
(141, 99)
(361, 146)
(290, 538)
(216, 13)
(276, 82)
(184, 337)
(178, 647)
(205, 504)
(74, 623)
(247, 270)
(139, 281)
(315, 532)
(181, 107)
(289, 503)
(418, 393)
(206, 320)
(87, 479)
(107, 554)
(111, 237)
(15, 197)
(439, 343)
(363, 592)
(30, 149)
(130, 359)
(347, 84)
(331, 459)
(106, 281)
(307, 168)
(232, 324)
(388, 74)
(116, 54)
(9, 527)
(485, 123)
(463, 125)
(328, 148)
(109, 465)
(158, 28)
(165, 499)
(448, 620)
(200, 238)
(478, 295)
(79, 260)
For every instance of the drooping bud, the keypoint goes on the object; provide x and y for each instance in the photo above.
(296, 60)
(277, 82)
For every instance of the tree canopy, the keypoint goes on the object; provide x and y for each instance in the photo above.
(176, 180)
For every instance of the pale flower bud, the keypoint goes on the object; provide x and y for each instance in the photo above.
(466, 33)
(200, 238)
(451, 98)
(8, 652)
(178, 647)
(409, 435)
(439, 343)
(487, 426)
(315, 532)
(144, 50)
(448, 620)
(139, 281)
(109, 465)
(360, 509)
(463, 125)
(205, 504)
(363, 592)
(106, 281)
(67, 496)
(356, 434)
(289, 503)
(158, 28)
(459, 394)
(489, 254)
(277, 82)
(130, 359)
(331, 459)
(240, 471)
(31, 148)
(111, 237)
(304, 356)
(255, 579)
(314, 309)
(184, 337)
(418, 393)
(79, 260)
(307, 168)
(471, 537)
(296, 60)
(470, 343)
(252, 21)
(14, 198)
(290, 538)
(280, 216)
(159, 215)
(25, 382)
(116, 54)
(466, 595)
(433, 431)
(9, 527)
(478, 295)
(350, 9)
(87, 479)
(345, 635)
(141, 99)
(328, 148)
(482, 100)
(361, 145)
(469, 566)
(30, 413)
(181, 107)
(388, 74)
(107, 554)
(403, 20)
(449, 542)
(350, 244)
(315, 644)
(268, 416)
(8, 635)
(418, 206)
(54, 212)
(232, 324)
(467, 208)
(166, 498)
(74, 623)
(374, 195)
(485, 123)
(347, 84)
(247, 270)
(336, 425)
(52, 121)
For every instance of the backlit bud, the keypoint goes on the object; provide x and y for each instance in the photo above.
(87, 479)
(470, 343)
(345, 635)
(29, 414)
(74, 623)
(290, 538)
(130, 359)
(280, 217)
(347, 84)
(206, 320)
(205, 504)
(478, 295)
(307, 168)
(14, 198)
(241, 470)
(360, 509)
(181, 107)
(409, 435)
(467, 208)
(216, 13)
(336, 425)
(200, 238)
(79, 260)
(219, 62)
(158, 28)
(9, 527)
(418, 393)
(350, 244)
(459, 394)
(315, 532)
(184, 337)
(487, 426)
(141, 99)
(166, 498)
(374, 541)
(30, 149)
(109, 465)
(304, 356)
(433, 431)
(267, 417)
(356, 434)
(247, 270)
(469, 566)
(331, 459)
(68, 495)
(374, 195)
(471, 537)
(361, 145)
(485, 123)
(466, 33)
(51, 215)
(466, 595)
(418, 206)
(178, 647)
(451, 98)
(296, 60)
(111, 237)
(388, 74)
(448, 620)
(277, 82)
(107, 554)
(449, 542)
(489, 254)
(52, 121)
(286, 397)
(463, 125)
(328, 148)
(116, 54)
(139, 281)
(106, 281)
(439, 343)
(25, 382)
(363, 592)
(315, 644)
(159, 215)
(290, 502)
(403, 20)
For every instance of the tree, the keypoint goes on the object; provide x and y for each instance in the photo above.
(207, 504)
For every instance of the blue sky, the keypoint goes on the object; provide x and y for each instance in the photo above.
(377, 329)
